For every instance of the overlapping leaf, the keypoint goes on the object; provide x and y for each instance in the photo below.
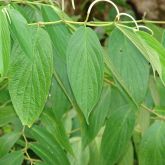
(149, 47)
(13, 158)
(156, 50)
(31, 69)
(47, 148)
(60, 103)
(117, 134)
(60, 35)
(7, 141)
(81, 155)
(98, 116)
(55, 126)
(85, 68)
(119, 127)
(7, 114)
(129, 64)
(128, 157)
(152, 148)
(4, 43)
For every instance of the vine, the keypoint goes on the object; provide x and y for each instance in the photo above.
(91, 23)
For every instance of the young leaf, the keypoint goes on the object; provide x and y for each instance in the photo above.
(152, 147)
(4, 44)
(130, 65)
(13, 158)
(117, 134)
(85, 68)
(30, 74)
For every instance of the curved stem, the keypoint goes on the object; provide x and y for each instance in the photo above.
(128, 15)
(96, 1)
(73, 4)
(145, 27)
(62, 5)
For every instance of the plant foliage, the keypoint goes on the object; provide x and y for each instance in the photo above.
(69, 98)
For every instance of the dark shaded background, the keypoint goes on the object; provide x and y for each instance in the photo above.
(152, 9)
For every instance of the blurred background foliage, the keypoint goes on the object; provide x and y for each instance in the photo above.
(150, 9)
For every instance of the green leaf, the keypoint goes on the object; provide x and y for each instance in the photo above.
(41, 163)
(47, 148)
(156, 50)
(7, 141)
(4, 44)
(150, 48)
(32, 13)
(152, 147)
(143, 120)
(85, 68)
(13, 158)
(98, 116)
(60, 103)
(30, 75)
(129, 64)
(163, 39)
(56, 128)
(60, 32)
(157, 30)
(81, 155)
(4, 94)
(117, 134)
(128, 157)
(7, 115)
(21, 31)
(94, 153)
(60, 35)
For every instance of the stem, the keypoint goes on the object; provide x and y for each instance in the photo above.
(5, 104)
(45, 23)
(96, 1)
(33, 160)
(128, 15)
(73, 131)
(3, 87)
(152, 111)
(109, 82)
(142, 105)
(93, 24)
(62, 87)
(26, 146)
